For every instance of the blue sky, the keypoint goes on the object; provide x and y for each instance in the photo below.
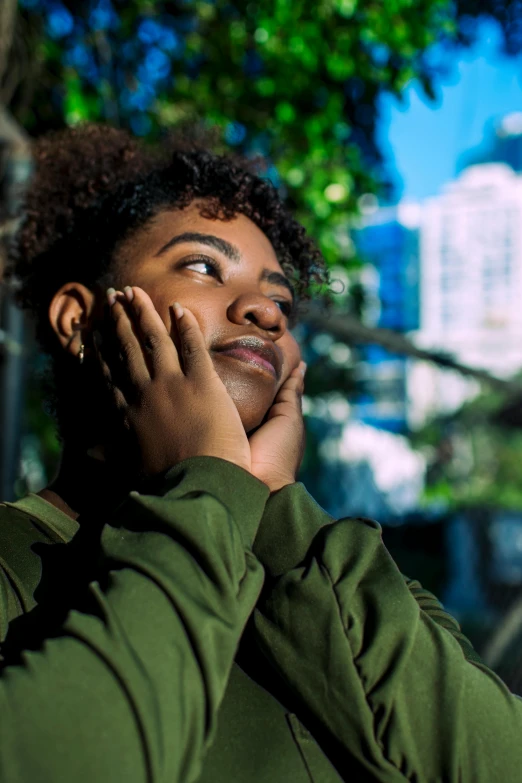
(422, 140)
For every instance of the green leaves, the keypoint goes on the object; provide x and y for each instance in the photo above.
(301, 80)
(473, 461)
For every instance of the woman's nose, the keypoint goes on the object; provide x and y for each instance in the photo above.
(259, 310)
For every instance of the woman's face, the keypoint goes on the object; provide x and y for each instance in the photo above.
(227, 274)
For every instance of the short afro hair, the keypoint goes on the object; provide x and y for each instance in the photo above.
(93, 187)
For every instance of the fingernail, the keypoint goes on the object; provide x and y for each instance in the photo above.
(111, 295)
(129, 293)
(303, 368)
(178, 310)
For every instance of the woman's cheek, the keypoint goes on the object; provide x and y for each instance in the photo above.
(292, 354)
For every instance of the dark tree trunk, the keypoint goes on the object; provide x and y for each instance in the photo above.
(15, 166)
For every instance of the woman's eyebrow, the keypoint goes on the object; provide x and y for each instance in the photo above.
(276, 278)
(228, 250)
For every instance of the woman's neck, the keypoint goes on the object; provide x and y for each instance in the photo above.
(84, 484)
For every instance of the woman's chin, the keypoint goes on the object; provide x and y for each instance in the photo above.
(252, 396)
(250, 419)
(251, 412)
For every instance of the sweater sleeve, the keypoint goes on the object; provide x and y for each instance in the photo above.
(375, 666)
(129, 687)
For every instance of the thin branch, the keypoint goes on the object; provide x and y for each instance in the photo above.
(351, 330)
(7, 23)
(504, 635)
(11, 133)
(8, 228)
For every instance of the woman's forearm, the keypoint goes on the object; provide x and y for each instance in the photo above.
(130, 686)
(380, 676)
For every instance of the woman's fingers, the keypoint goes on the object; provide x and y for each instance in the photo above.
(289, 397)
(144, 347)
(157, 346)
(99, 349)
(145, 343)
(196, 358)
(293, 388)
(128, 344)
(149, 332)
(159, 408)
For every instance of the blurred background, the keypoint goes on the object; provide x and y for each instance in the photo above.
(394, 130)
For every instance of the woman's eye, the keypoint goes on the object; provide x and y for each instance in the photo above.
(285, 306)
(204, 267)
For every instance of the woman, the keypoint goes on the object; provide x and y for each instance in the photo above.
(175, 606)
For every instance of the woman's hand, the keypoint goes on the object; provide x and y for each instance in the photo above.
(172, 407)
(277, 447)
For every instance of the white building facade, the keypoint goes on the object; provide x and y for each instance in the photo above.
(471, 269)
(470, 285)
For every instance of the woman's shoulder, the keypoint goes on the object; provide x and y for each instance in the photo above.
(19, 562)
(37, 518)
(19, 527)
(26, 525)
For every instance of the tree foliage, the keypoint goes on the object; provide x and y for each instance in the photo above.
(473, 456)
(297, 81)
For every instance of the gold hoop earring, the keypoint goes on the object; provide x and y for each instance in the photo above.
(81, 353)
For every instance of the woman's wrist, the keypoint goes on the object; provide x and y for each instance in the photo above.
(274, 485)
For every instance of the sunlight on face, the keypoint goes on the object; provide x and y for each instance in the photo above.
(228, 275)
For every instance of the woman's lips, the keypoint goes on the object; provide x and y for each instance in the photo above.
(249, 356)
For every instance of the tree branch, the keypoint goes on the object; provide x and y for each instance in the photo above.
(7, 22)
(348, 328)
(11, 133)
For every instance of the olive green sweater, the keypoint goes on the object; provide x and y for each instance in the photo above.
(204, 631)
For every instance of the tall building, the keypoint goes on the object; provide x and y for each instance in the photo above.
(471, 269)
(388, 241)
(470, 286)
(449, 274)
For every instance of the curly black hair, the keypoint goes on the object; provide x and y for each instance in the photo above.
(94, 186)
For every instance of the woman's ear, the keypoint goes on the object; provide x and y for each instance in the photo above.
(70, 315)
